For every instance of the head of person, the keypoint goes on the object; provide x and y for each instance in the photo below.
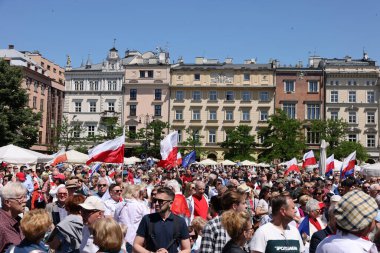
(313, 208)
(92, 209)
(108, 235)
(102, 185)
(193, 235)
(238, 225)
(163, 200)
(348, 184)
(200, 188)
(131, 191)
(234, 200)
(62, 194)
(318, 194)
(374, 190)
(103, 171)
(72, 204)
(283, 208)
(198, 223)
(174, 185)
(265, 193)
(115, 192)
(72, 186)
(355, 213)
(13, 198)
(35, 224)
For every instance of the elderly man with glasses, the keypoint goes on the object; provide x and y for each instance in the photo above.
(13, 200)
(103, 192)
(57, 209)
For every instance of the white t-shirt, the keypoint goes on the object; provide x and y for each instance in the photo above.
(269, 238)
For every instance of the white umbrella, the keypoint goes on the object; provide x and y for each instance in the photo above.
(17, 155)
(337, 165)
(227, 163)
(129, 161)
(247, 163)
(323, 157)
(74, 156)
(263, 165)
(371, 170)
(208, 162)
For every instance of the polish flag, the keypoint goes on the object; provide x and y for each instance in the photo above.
(308, 159)
(168, 150)
(59, 157)
(329, 165)
(291, 166)
(179, 159)
(348, 165)
(111, 151)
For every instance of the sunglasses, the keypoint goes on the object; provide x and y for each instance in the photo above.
(160, 201)
(102, 171)
(318, 193)
(102, 185)
(117, 190)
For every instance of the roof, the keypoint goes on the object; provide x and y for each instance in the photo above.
(222, 66)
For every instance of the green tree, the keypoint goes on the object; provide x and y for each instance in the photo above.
(109, 129)
(239, 143)
(347, 147)
(69, 133)
(282, 139)
(18, 123)
(193, 141)
(151, 137)
(332, 131)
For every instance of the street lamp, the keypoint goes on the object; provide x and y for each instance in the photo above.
(147, 119)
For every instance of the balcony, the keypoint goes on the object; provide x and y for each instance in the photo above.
(109, 115)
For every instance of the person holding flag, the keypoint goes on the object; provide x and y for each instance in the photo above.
(329, 166)
(348, 166)
(308, 159)
(169, 150)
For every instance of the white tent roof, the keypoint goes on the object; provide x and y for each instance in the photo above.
(263, 165)
(227, 163)
(371, 170)
(208, 162)
(17, 155)
(247, 163)
(132, 160)
(74, 156)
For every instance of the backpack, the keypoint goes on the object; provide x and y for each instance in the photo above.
(176, 232)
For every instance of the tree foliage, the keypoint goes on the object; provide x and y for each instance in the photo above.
(347, 147)
(18, 123)
(151, 137)
(68, 135)
(282, 138)
(239, 143)
(193, 141)
(332, 131)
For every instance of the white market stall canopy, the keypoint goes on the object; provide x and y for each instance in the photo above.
(371, 170)
(74, 156)
(131, 160)
(17, 155)
(228, 163)
(247, 163)
(208, 162)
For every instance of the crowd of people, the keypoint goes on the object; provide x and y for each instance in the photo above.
(199, 209)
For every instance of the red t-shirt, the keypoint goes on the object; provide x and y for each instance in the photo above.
(200, 207)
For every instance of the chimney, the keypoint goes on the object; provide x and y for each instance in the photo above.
(11, 46)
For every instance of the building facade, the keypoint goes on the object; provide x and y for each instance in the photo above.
(352, 88)
(44, 83)
(209, 97)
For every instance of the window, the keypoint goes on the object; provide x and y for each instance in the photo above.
(78, 85)
(289, 109)
(111, 106)
(289, 86)
(352, 137)
(197, 77)
(35, 86)
(229, 115)
(247, 77)
(112, 85)
(212, 115)
(312, 137)
(54, 70)
(370, 97)
(132, 94)
(146, 73)
(334, 96)
(229, 95)
(43, 87)
(352, 96)
(157, 110)
(34, 102)
(41, 105)
(349, 83)
(196, 95)
(334, 115)
(263, 115)
(178, 114)
(264, 95)
(371, 141)
(336, 82)
(91, 131)
(313, 111)
(78, 106)
(94, 85)
(212, 136)
(196, 135)
(179, 95)
(157, 94)
(132, 132)
(48, 67)
(76, 131)
(132, 110)
(370, 117)
(196, 115)
(352, 117)
(245, 115)
(313, 86)
(179, 135)
(212, 95)
(92, 106)
(246, 96)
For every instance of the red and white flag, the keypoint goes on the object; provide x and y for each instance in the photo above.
(59, 157)
(291, 166)
(179, 159)
(169, 150)
(308, 159)
(111, 151)
(348, 165)
(329, 165)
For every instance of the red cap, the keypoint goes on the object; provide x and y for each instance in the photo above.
(59, 176)
(20, 176)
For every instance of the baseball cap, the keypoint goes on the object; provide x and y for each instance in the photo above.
(93, 203)
(20, 176)
(59, 176)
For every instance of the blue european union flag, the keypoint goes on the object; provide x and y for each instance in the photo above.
(189, 159)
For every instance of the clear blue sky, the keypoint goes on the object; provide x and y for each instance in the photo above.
(242, 29)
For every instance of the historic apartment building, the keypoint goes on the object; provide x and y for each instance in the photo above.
(300, 93)
(210, 97)
(44, 82)
(352, 88)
